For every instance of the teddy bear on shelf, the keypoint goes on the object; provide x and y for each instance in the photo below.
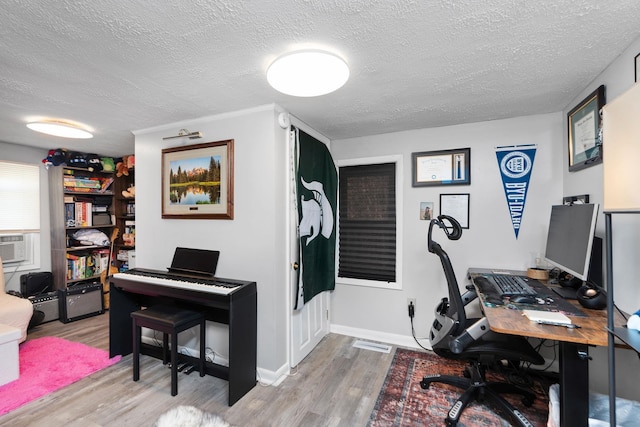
(121, 167)
(129, 239)
(129, 193)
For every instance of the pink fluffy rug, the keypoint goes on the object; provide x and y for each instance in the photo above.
(48, 364)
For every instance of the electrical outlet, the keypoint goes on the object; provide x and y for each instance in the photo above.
(411, 307)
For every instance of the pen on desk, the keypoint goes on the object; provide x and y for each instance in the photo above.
(566, 325)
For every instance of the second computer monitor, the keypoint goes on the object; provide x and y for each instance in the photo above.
(570, 238)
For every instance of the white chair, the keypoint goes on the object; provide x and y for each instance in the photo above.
(14, 311)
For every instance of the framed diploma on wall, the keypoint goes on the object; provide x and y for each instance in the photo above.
(456, 206)
(444, 167)
(585, 138)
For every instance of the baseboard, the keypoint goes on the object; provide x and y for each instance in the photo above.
(273, 378)
(264, 376)
(368, 334)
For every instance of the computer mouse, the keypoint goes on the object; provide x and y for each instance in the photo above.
(523, 299)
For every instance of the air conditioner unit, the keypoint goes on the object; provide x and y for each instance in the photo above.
(12, 248)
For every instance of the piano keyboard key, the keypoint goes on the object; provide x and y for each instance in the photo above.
(211, 286)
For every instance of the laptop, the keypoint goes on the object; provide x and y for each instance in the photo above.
(199, 262)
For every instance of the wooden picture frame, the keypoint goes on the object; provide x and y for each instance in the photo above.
(197, 181)
(444, 167)
(636, 63)
(456, 206)
(585, 131)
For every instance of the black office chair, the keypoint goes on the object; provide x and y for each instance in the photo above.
(454, 336)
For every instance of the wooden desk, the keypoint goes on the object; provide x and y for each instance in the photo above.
(573, 344)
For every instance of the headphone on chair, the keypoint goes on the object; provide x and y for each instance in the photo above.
(453, 230)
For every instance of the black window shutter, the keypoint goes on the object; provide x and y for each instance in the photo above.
(367, 241)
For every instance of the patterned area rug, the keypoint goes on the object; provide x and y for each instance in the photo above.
(402, 402)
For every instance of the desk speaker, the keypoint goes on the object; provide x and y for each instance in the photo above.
(48, 304)
(592, 296)
(80, 301)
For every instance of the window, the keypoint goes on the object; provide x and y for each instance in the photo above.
(20, 195)
(20, 209)
(368, 228)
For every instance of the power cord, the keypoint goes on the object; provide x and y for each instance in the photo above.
(413, 332)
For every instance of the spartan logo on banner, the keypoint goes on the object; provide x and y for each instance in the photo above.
(516, 163)
(317, 196)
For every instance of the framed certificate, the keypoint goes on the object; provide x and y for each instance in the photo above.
(444, 167)
(585, 124)
(456, 206)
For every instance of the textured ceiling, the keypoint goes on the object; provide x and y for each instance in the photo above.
(123, 65)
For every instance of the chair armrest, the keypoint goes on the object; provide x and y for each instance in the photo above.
(470, 295)
(471, 334)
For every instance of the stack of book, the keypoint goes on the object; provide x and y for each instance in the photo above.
(81, 184)
(78, 214)
(86, 266)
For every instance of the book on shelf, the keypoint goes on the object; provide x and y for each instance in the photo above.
(84, 214)
(70, 214)
(87, 184)
(81, 214)
(106, 183)
(85, 266)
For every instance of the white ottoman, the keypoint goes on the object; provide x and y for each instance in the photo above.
(9, 337)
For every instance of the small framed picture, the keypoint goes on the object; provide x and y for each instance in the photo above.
(637, 67)
(584, 127)
(444, 167)
(426, 211)
(456, 206)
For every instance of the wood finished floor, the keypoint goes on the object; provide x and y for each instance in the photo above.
(336, 385)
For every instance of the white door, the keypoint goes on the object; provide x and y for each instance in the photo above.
(310, 323)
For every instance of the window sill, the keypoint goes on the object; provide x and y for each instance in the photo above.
(368, 283)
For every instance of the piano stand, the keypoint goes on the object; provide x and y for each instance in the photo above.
(238, 309)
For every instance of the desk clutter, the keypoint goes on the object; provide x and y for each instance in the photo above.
(543, 300)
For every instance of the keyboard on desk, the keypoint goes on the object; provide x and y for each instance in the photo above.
(510, 285)
(177, 281)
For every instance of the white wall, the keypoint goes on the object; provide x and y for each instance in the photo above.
(252, 245)
(617, 78)
(489, 242)
(30, 155)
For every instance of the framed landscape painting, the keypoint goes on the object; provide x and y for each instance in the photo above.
(197, 181)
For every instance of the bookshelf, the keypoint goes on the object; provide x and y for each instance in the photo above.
(124, 207)
(81, 204)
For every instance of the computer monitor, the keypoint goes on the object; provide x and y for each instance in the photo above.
(570, 238)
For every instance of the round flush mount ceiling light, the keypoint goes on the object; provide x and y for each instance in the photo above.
(308, 73)
(60, 128)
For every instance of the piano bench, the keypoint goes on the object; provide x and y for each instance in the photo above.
(170, 320)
